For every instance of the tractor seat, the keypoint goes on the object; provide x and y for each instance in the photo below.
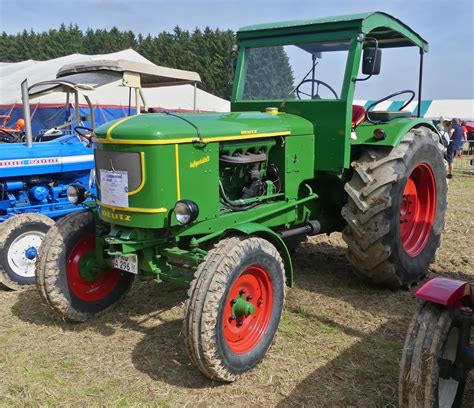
(386, 116)
(358, 115)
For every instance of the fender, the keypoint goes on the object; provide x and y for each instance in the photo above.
(270, 235)
(395, 130)
(446, 292)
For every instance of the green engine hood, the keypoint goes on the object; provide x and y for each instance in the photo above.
(162, 128)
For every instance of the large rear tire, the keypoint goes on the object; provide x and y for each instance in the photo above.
(431, 336)
(68, 278)
(234, 307)
(395, 209)
(20, 240)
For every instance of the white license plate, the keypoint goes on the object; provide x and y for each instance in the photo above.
(125, 263)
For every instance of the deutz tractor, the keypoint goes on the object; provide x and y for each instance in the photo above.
(35, 175)
(220, 201)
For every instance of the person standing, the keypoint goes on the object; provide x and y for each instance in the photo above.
(457, 137)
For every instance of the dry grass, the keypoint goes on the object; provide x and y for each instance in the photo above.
(339, 342)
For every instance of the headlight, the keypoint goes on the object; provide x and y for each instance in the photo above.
(186, 211)
(76, 193)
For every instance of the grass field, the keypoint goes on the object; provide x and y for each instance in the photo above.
(339, 342)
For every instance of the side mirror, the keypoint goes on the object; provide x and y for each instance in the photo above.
(371, 61)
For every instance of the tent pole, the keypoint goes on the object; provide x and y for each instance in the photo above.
(26, 113)
(194, 103)
(137, 100)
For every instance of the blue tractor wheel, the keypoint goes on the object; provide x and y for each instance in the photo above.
(20, 240)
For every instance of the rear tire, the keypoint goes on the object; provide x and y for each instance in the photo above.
(66, 252)
(221, 345)
(431, 336)
(20, 240)
(396, 209)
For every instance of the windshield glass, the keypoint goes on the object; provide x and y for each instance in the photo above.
(296, 71)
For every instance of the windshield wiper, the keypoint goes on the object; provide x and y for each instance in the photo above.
(283, 102)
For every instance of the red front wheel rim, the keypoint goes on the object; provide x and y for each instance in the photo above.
(89, 290)
(417, 209)
(244, 333)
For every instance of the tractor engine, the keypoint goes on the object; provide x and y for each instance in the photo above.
(246, 174)
(38, 193)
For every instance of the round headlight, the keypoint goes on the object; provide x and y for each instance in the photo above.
(186, 211)
(76, 193)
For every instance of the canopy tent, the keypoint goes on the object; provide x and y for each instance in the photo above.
(430, 109)
(110, 101)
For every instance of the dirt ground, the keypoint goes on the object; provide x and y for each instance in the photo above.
(339, 342)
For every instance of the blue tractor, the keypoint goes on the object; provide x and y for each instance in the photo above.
(44, 176)
(35, 173)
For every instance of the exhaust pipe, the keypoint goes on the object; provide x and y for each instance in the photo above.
(314, 227)
(26, 113)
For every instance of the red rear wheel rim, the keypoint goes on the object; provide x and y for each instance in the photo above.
(417, 209)
(87, 290)
(242, 335)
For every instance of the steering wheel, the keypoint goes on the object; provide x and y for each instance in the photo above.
(78, 129)
(406, 91)
(316, 95)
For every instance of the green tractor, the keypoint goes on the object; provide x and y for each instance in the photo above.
(220, 201)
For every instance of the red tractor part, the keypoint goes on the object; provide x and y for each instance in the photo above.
(438, 353)
(446, 292)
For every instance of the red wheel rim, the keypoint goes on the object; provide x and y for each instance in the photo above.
(417, 209)
(89, 290)
(242, 335)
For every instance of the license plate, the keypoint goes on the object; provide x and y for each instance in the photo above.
(125, 263)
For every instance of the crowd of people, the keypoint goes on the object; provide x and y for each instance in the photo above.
(454, 134)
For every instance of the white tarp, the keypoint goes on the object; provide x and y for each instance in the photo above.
(170, 97)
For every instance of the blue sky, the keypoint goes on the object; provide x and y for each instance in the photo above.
(446, 24)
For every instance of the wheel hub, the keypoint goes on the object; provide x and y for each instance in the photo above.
(86, 280)
(22, 253)
(417, 209)
(248, 309)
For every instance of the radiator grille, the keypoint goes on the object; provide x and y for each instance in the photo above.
(120, 161)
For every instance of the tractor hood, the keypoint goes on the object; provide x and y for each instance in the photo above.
(170, 128)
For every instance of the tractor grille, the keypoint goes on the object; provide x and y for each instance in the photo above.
(118, 161)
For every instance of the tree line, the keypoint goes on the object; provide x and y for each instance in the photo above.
(205, 51)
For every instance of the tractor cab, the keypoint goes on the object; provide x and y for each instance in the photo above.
(311, 68)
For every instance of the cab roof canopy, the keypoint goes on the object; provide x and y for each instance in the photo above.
(389, 31)
(89, 75)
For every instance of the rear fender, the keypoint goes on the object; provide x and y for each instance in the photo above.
(395, 130)
(253, 229)
(446, 292)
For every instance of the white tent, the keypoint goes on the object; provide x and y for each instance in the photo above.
(169, 97)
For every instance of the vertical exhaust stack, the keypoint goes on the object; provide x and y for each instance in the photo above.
(26, 113)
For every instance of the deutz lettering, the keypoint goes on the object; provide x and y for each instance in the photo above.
(116, 216)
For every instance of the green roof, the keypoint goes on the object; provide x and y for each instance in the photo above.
(389, 31)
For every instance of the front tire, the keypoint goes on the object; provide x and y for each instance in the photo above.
(395, 210)
(234, 307)
(67, 275)
(20, 240)
(431, 336)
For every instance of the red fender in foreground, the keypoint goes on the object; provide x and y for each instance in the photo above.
(446, 292)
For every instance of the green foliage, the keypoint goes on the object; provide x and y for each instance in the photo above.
(269, 74)
(204, 51)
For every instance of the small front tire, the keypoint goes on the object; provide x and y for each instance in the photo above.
(234, 307)
(67, 276)
(20, 240)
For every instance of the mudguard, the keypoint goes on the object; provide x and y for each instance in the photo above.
(446, 292)
(395, 130)
(271, 236)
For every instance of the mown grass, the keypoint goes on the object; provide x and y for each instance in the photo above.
(338, 345)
